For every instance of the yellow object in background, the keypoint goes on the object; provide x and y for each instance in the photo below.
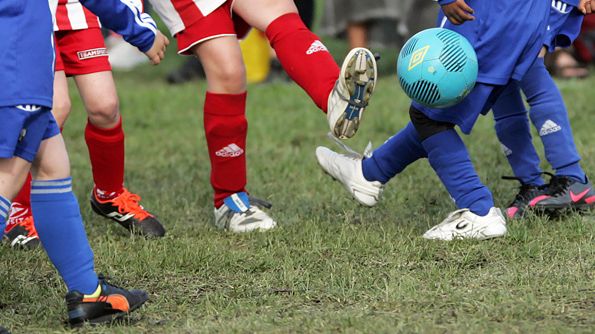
(255, 50)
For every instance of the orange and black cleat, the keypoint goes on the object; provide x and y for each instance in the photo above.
(126, 210)
(109, 303)
(20, 229)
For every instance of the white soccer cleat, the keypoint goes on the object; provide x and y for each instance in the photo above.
(239, 216)
(464, 224)
(352, 92)
(347, 169)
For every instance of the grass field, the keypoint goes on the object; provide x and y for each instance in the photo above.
(332, 266)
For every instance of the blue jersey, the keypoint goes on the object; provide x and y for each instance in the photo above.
(564, 24)
(506, 34)
(26, 52)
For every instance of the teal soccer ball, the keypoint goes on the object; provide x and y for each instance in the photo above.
(437, 68)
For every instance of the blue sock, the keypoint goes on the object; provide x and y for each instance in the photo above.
(449, 158)
(4, 210)
(514, 133)
(392, 157)
(548, 114)
(60, 227)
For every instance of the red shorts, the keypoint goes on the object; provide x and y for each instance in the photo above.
(218, 23)
(81, 52)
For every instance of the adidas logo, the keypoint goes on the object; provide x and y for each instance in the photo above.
(505, 150)
(316, 46)
(548, 128)
(230, 151)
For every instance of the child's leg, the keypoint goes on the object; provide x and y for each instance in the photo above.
(384, 164)
(450, 160)
(58, 219)
(514, 133)
(548, 114)
(104, 134)
(302, 54)
(60, 110)
(13, 173)
(225, 122)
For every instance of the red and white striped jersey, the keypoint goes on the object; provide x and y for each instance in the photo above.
(71, 15)
(178, 14)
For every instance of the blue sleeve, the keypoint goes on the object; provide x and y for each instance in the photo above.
(445, 2)
(572, 2)
(126, 19)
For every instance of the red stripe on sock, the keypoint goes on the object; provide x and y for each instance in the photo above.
(304, 57)
(226, 128)
(106, 152)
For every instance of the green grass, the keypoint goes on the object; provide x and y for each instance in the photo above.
(332, 266)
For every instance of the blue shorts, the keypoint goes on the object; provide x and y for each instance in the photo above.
(506, 35)
(23, 128)
(564, 25)
(465, 114)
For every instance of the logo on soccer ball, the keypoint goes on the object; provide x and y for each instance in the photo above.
(418, 57)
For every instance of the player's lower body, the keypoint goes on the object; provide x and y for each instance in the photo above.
(431, 134)
(30, 140)
(343, 93)
(81, 54)
(569, 188)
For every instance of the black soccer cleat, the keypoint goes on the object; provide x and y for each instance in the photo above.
(564, 192)
(522, 201)
(127, 211)
(109, 304)
(4, 330)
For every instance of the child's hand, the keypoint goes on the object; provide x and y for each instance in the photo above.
(157, 51)
(458, 12)
(586, 7)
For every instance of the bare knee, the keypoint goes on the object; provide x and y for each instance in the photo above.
(230, 78)
(104, 112)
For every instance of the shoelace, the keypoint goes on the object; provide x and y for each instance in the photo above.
(351, 153)
(29, 226)
(526, 189)
(128, 202)
(558, 185)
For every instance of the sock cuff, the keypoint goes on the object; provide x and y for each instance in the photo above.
(284, 24)
(45, 187)
(225, 104)
(100, 133)
(4, 209)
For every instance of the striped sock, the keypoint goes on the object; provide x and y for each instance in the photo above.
(4, 210)
(60, 227)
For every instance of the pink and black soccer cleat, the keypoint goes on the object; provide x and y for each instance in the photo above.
(566, 193)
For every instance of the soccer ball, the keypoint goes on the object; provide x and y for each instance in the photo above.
(437, 68)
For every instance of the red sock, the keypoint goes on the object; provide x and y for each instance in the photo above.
(303, 56)
(24, 196)
(106, 151)
(226, 128)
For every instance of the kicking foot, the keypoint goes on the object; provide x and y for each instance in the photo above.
(352, 93)
(347, 169)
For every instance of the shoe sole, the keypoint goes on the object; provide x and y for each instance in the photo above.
(358, 74)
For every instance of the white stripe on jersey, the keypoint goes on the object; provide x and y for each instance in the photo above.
(76, 16)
